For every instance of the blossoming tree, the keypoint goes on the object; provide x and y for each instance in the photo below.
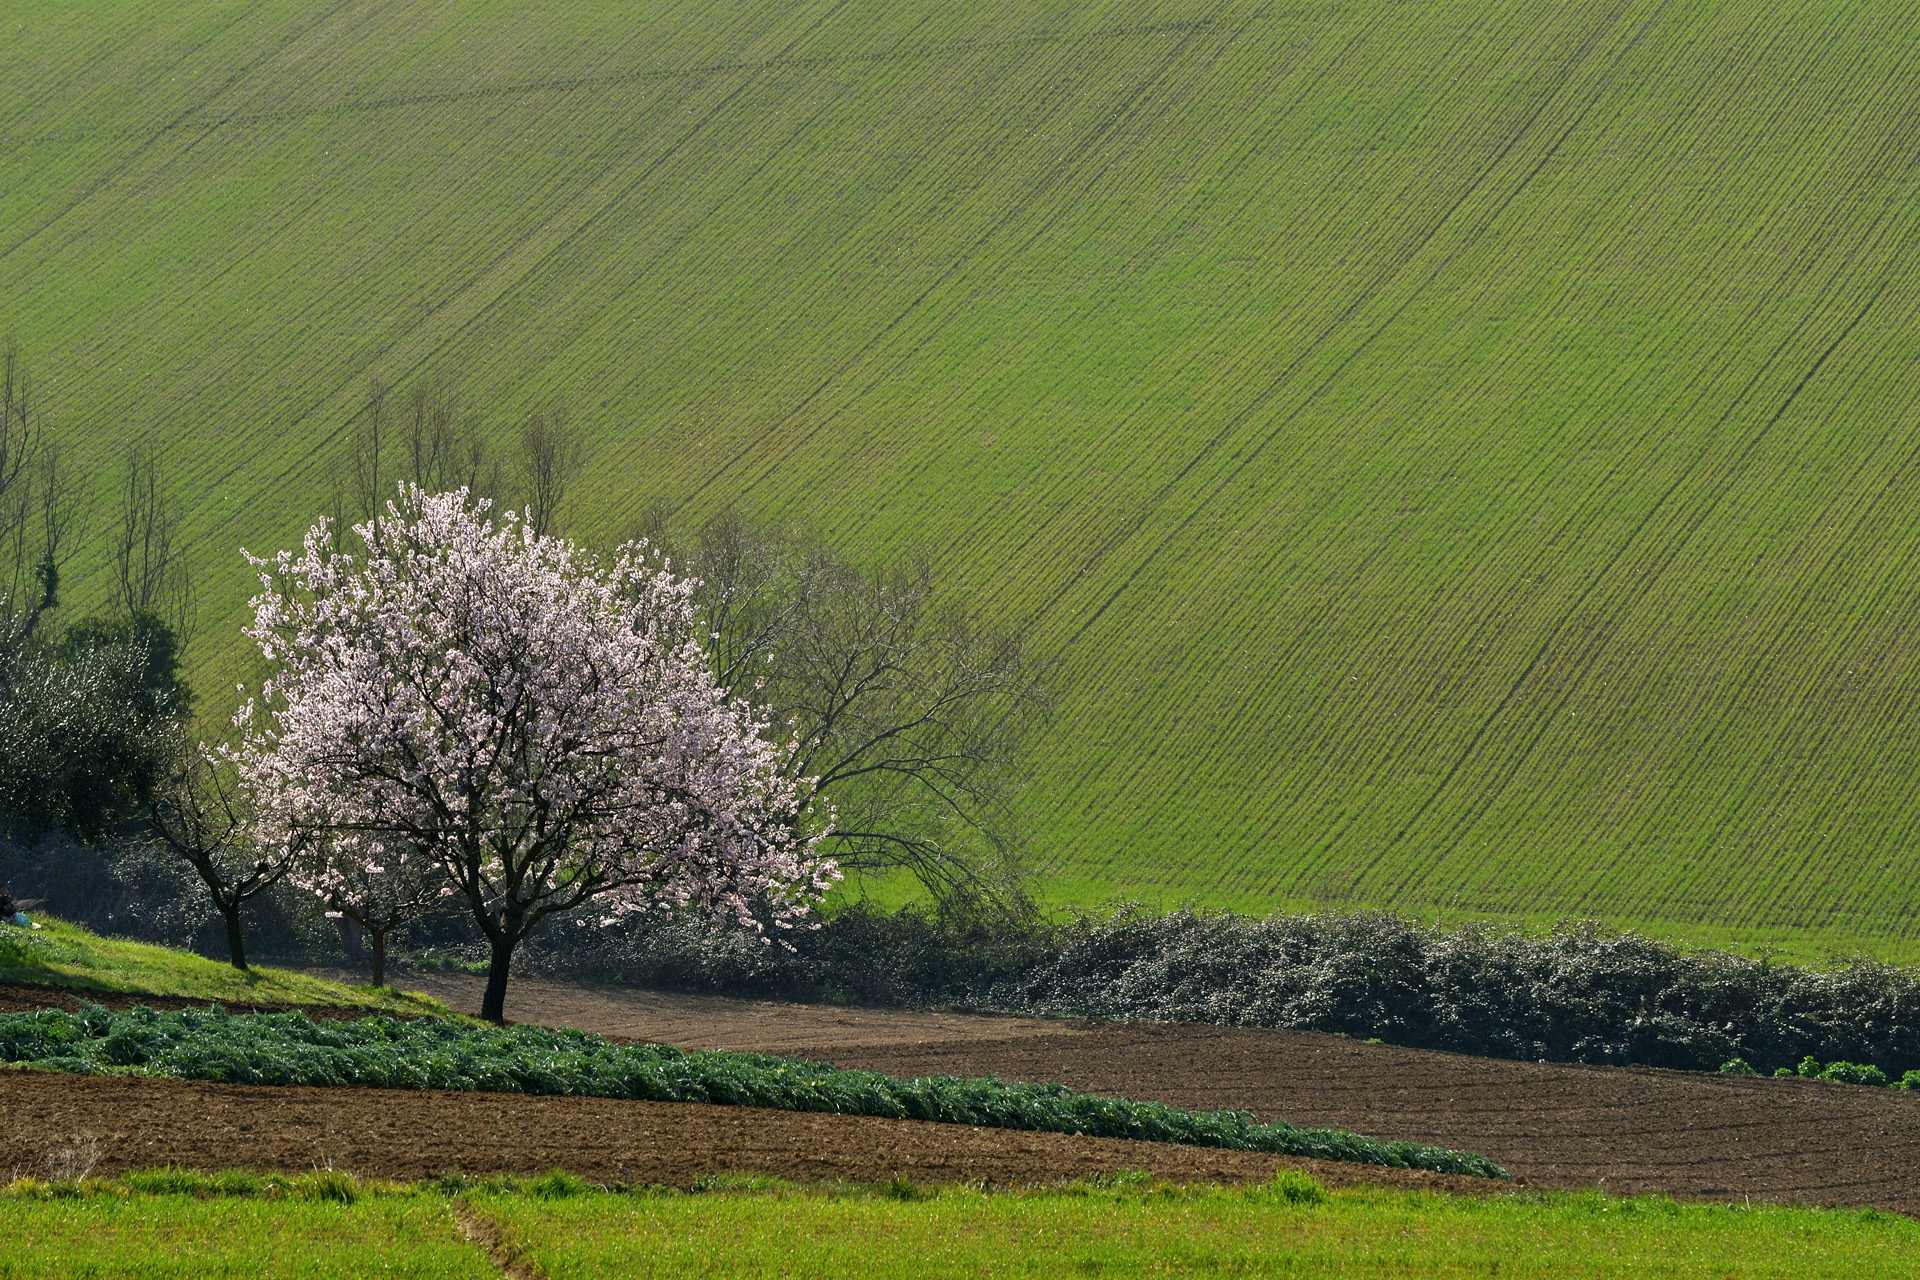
(533, 719)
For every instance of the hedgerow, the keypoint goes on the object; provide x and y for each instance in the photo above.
(386, 1052)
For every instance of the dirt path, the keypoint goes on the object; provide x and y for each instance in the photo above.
(1627, 1129)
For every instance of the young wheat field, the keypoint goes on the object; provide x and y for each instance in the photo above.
(1465, 455)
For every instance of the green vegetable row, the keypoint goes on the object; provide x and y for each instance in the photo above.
(388, 1052)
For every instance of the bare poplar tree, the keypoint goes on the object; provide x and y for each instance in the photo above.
(364, 482)
(433, 440)
(446, 448)
(551, 454)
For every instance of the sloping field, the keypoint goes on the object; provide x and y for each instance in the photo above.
(1467, 453)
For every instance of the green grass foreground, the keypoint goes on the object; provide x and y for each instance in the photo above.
(180, 1224)
(1461, 451)
(386, 1052)
(66, 955)
(173, 1226)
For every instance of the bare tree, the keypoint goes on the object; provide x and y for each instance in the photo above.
(551, 453)
(197, 812)
(149, 560)
(39, 507)
(911, 719)
(362, 474)
(433, 440)
(446, 448)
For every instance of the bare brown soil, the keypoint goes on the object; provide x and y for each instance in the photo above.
(123, 1124)
(1627, 1130)
(712, 1022)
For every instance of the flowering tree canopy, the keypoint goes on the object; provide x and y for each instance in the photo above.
(533, 719)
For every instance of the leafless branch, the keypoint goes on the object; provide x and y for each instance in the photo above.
(39, 508)
(433, 439)
(197, 813)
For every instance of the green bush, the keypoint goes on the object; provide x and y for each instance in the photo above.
(387, 1052)
(1854, 1073)
(1737, 1067)
(1811, 1068)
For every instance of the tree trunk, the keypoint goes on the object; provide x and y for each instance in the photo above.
(378, 937)
(494, 1007)
(236, 945)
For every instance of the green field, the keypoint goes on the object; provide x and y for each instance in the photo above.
(1465, 453)
(760, 1227)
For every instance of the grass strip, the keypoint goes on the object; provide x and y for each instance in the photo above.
(274, 1228)
(1289, 1226)
(174, 1222)
(387, 1052)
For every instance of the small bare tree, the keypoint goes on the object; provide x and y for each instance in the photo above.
(551, 454)
(149, 560)
(910, 718)
(432, 439)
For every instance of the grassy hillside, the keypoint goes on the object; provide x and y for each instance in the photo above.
(1465, 452)
(59, 954)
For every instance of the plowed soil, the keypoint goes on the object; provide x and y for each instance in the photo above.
(1627, 1130)
(63, 1124)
